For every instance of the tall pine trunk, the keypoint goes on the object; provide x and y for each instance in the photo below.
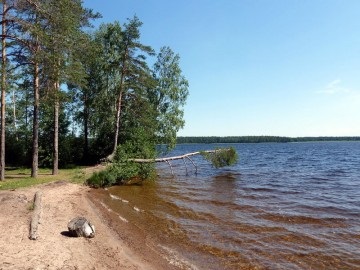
(86, 129)
(55, 170)
(35, 146)
(3, 92)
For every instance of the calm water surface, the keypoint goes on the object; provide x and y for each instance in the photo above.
(283, 206)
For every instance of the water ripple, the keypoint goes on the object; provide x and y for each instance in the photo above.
(283, 206)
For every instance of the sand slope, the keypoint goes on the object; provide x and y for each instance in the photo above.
(61, 201)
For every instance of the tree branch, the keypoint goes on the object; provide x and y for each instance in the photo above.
(166, 159)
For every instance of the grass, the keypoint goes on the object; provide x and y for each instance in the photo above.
(31, 206)
(20, 177)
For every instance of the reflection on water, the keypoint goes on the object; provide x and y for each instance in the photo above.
(283, 206)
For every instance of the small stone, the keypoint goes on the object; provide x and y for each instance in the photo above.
(80, 226)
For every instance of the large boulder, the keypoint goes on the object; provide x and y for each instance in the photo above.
(80, 226)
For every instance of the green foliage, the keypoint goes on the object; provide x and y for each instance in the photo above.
(101, 179)
(120, 173)
(138, 145)
(17, 151)
(113, 97)
(221, 157)
(46, 131)
(168, 97)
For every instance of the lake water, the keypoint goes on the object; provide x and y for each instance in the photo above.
(282, 206)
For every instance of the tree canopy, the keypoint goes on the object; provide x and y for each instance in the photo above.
(74, 97)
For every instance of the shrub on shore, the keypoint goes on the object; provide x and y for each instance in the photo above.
(123, 169)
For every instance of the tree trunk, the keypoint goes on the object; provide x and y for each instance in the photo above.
(55, 170)
(35, 146)
(14, 114)
(166, 159)
(118, 104)
(219, 158)
(3, 91)
(117, 124)
(35, 219)
(86, 129)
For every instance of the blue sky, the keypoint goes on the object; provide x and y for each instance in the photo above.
(258, 67)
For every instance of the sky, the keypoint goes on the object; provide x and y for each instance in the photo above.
(257, 67)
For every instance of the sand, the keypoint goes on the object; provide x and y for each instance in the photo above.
(62, 201)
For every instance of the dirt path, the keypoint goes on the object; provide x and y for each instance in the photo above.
(61, 201)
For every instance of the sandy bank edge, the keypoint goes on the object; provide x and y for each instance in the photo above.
(53, 249)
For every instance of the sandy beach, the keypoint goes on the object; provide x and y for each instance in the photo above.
(62, 201)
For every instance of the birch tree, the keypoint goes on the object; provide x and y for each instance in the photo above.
(169, 96)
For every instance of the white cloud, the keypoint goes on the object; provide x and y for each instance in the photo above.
(335, 87)
(334, 83)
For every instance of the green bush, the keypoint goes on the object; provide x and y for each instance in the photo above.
(221, 157)
(122, 170)
(120, 173)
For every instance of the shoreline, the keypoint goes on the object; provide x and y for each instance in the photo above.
(115, 245)
(131, 236)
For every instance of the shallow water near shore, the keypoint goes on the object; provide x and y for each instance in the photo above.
(282, 206)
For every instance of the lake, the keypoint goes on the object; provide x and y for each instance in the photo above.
(282, 206)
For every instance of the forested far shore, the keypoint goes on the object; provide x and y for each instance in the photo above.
(260, 139)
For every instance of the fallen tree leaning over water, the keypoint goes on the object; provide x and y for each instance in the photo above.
(125, 168)
(219, 158)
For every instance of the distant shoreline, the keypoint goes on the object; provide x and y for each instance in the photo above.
(261, 139)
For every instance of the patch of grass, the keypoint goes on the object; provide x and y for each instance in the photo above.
(78, 175)
(20, 177)
(31, 206)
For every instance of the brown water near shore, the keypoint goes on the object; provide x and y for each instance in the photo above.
(284, 206)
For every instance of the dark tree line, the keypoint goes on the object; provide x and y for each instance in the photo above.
(71, 96)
